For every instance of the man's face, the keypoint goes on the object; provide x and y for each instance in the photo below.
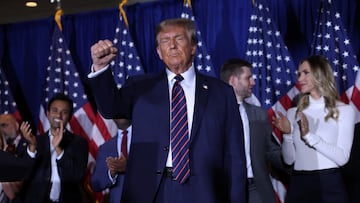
(59, 111)
(8, 126)
(243, 83)
(175, 48)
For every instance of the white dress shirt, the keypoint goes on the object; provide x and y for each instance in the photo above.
(246, 126)
(118, 146)
(55, 178)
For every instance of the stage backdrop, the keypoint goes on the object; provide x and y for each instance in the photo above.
(224, 25)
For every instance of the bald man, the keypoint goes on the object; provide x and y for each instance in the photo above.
(11, 167)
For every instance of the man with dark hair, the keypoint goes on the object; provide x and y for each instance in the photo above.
(260, 148)
(60, 160)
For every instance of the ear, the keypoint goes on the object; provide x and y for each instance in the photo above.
(17, 125)
(232, 80)
(193, 50)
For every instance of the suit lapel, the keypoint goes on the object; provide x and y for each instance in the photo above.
(251, 114)
(201, 99)
(162, 92)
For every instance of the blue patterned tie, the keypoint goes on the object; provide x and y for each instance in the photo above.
(179, 133)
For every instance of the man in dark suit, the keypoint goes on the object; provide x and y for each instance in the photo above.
(15, 144)
(260, 148)
(111, 162)
(60, 159)
(211, 167)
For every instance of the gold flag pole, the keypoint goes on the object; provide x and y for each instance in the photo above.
(188, 2)
(58, 14)
(122, 12)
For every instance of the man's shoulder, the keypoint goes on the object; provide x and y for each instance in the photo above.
(142, 78)
(257, 108)
(213, 81)
(109, 142)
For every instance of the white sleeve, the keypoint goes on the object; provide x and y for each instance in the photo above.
(287, 146)
(339, 151)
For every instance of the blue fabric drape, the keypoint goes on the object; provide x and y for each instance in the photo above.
(24, 48)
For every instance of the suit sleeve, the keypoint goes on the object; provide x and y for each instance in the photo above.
(111, 102)
(100, 179)
(235, 154)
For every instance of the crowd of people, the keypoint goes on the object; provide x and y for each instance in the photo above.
(187, 137)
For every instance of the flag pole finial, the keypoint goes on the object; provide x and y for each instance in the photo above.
(188, 2)
(58, 14)
(122, 12)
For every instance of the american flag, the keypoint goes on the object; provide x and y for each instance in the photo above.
(127, 62)
(331, 40)
(62, 76)
(274, 71)
(202, 61)
(7, 101)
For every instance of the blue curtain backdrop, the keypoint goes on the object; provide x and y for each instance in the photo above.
(24, 47)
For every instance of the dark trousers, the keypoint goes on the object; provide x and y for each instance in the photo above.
(171, 191)
(321, 186)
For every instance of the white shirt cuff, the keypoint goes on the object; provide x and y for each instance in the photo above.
(113, 180)
(311, 139)
(96, 73)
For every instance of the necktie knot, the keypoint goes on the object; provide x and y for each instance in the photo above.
(178, 78)
(11, 148)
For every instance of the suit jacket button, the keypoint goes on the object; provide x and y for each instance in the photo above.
(166, 148)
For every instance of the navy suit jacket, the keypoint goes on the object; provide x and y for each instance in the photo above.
(217, 159)
(71, 168)
(100, 178)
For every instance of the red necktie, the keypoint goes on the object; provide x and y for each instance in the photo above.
(124, 150)
(11, 148)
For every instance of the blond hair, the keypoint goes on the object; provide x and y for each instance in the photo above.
(323, 79)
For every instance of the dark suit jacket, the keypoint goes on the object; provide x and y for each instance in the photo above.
(71, 168)
(217, 160)
(100, 178)
(262, 151)
(351, 169)
(13, 168)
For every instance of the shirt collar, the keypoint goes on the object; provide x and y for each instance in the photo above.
(188, 75)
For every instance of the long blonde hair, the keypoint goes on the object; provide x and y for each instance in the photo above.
(323, 79)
